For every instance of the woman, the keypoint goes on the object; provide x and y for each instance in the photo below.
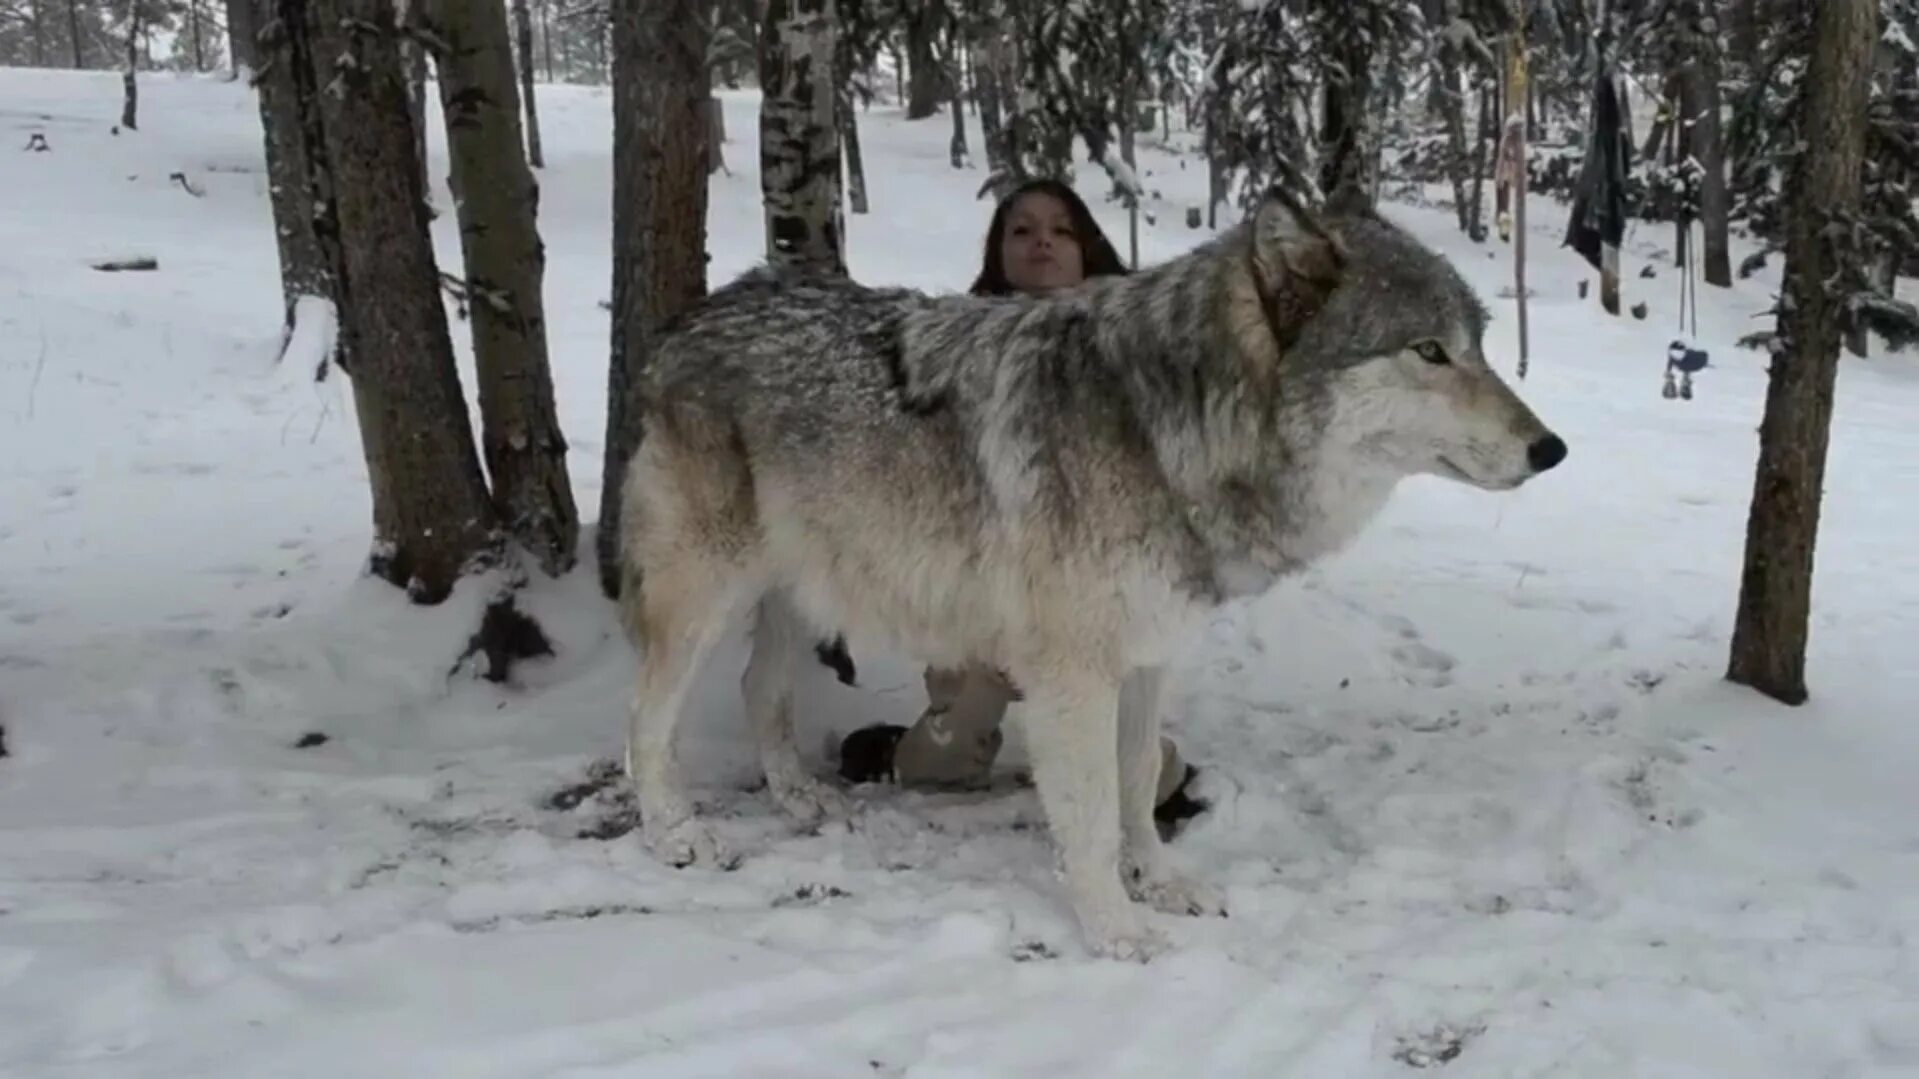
(1042, 237)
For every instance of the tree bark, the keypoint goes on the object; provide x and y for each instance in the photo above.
(799, 144)
(546, 38)
(925, 79)
(497, 204)
(297, 180)
(243, 26)
(661, 90)
(1664, 108)
(1702, 105)
(1476, 202)
(1347, 165)
(1451, 103)
(415, 58)
(432, 520)
(850, 138)
(1826, 184)
(986, 95)
(523, 28)
(198, 40)
(130, 102)
(956, 148)
(73, 35)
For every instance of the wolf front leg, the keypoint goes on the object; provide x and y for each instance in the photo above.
(1071, 736)
(1145, 866)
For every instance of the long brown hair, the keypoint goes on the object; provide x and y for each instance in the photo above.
(1097, 256)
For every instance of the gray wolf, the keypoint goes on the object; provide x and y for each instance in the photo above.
(1062, 487)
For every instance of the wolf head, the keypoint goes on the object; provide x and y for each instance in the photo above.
(1386, 338)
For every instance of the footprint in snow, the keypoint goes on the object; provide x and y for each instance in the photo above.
(1436, 1047)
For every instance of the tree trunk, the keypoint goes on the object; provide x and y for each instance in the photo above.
(432, 521)
(414, 56)
(1476, 202)
(546, 37)
(523, 31)
(956, 149)
(1664, 108)
(1701, 97)
(73, 34)
(38, 31)
(198, 39)
(855, 164)
(130, 103)
(1825, 185)
(986, 97)
(1347, 161)
(497, 202)
(661, 91)
(715, 134)
(799, 143)
(297, 180)
(1128, 116)
(924, 77)
(997, 71)
(243, 26)
(1452, 107)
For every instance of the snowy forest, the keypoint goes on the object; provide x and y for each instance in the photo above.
(327, 329)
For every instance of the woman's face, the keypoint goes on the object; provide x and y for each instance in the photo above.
(1039, 248)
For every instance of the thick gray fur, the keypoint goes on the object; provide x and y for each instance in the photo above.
(1060, 487)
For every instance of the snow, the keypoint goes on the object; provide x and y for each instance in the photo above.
(1481, 798)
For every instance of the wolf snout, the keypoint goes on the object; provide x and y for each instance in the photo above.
(1546, 452)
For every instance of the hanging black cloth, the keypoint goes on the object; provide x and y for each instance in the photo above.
(1598, 222)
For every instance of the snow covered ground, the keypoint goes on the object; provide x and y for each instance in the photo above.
(1481, 800)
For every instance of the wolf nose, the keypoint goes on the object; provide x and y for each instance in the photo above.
(1546, 453)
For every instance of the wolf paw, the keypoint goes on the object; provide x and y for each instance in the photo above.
(689, 843)
(809, 800)
(1173, 893)
(1137, 944)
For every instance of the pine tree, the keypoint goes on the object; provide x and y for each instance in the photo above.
(523, 48)
(299, 185)
(1824, 193)
(432, 520)
(243, 17)
(496, 200)
(660, 147)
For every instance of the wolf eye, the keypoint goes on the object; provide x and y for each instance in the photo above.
(1432, 352)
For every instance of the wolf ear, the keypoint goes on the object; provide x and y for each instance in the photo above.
(1289, 241)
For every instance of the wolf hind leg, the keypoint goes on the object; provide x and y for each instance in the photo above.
(678, 616)
(1145, 866)
(780, 640)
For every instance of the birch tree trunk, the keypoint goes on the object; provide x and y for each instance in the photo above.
(799, 143)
